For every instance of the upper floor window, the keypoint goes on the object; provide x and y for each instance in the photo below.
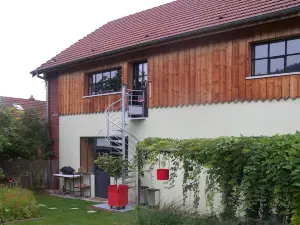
(276, 57)
(140, 76)
(105, 82)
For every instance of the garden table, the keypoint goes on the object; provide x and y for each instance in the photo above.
(71, 178)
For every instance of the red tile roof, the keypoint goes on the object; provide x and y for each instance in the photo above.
(167, 20)
(30, 103)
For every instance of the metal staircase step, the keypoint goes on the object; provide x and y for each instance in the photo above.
(129, 177)
(117, 153)
(116, 130)
(128, 182)
(137, 118)
(118, 148)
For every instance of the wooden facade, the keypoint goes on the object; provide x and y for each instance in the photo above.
(206, 70)
(86, 154)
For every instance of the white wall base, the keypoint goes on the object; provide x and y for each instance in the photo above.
(208, 121)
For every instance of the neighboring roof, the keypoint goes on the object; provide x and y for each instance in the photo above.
(165, 21)
(23, 104)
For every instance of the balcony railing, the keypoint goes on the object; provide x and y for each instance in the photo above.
(137, 104)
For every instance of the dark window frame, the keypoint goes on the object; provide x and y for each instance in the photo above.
(93, 84)
(138, 75)
(269, 58)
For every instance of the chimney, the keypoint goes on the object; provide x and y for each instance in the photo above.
(31, 97)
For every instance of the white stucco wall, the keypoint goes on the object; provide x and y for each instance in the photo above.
(234, 119)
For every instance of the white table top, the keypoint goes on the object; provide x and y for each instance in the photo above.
(65, 175)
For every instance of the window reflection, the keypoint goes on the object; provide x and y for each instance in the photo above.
(277, 49)
(293, 63)
(261, 67)
(293, 46)
(105, 82)
(277, 65)
(261, 51)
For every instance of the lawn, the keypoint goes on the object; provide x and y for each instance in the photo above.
(63, 214)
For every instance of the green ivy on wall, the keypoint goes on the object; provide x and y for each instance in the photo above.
(260, 175)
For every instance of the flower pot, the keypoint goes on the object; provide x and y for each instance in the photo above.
(117, 196)
(162, 174)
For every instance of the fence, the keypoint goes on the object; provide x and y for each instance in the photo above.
(37, 174)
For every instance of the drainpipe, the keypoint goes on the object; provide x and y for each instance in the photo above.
(47, 99)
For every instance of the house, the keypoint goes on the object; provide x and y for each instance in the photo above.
(189, 68)
(22, 104)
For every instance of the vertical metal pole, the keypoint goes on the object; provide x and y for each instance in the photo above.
(144, 103)
(137, 185)
(123, 128)
(107, 124)
(123, 119)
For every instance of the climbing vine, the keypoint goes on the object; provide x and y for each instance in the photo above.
(260, 175)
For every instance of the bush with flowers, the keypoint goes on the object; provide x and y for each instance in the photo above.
(17, 204)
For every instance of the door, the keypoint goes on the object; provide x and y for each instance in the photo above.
(140, 76)
(139, 93)
(102, 180)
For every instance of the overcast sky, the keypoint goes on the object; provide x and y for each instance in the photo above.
(33, 31)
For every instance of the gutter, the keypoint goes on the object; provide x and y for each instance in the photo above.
(205, 30)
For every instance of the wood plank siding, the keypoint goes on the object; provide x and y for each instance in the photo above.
(206, 70)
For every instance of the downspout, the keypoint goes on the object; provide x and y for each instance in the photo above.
(47, 100)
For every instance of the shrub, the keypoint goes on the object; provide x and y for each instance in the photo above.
(17, 204)
(177, 214)
(255, 176)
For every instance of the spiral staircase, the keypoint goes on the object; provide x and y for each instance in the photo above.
(122, 142)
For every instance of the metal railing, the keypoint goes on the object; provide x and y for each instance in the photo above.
(134, 100)
(136, 103)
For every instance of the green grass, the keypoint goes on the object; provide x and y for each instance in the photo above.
(65, 215)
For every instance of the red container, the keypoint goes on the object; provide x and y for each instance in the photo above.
(118, 196)
(162, 174)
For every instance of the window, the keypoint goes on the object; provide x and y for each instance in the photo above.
(105, 82)
(140, 76)
(276, 57)
(18, 106)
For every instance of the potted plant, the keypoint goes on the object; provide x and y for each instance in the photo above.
(114, 166)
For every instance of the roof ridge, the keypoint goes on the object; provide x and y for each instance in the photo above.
(27, 99)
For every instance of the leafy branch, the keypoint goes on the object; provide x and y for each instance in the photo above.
(260, 175)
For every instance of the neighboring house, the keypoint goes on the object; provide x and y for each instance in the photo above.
(197, 68)
(22, 104)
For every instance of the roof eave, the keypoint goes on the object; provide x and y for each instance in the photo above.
(205, 30)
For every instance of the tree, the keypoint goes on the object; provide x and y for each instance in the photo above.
(33, 130)
(24, 136)
(7, 128)
(112, 165)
